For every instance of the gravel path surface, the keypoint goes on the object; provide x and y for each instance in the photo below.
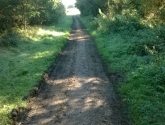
(77, 90)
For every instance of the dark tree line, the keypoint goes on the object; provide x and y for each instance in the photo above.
(90, 7)
(20, 13)
(154, 9)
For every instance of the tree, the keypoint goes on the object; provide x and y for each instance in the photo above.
(90, 7)
(18, 13)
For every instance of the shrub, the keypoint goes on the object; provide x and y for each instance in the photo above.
(10, 38)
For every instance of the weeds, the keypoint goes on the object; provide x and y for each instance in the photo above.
(136, 51)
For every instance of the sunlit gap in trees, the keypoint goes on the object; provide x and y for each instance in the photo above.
(70, 7)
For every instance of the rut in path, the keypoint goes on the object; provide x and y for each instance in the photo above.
(77, 91)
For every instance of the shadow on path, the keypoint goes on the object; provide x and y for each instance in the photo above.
(77, 91)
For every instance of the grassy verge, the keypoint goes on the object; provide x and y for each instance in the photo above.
(136, 52)
(22, 66)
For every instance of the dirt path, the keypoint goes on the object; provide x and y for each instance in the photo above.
(77, 91)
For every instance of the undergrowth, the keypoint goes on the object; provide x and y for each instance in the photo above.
(24, 57)
(136, 51)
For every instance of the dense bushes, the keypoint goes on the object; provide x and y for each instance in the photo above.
(130, 38)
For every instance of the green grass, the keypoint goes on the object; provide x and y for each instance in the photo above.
(138, 56)
(22, 66)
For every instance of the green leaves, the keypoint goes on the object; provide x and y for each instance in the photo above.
(153, 11)
(18, 13)
(136, 50)
(90, 7)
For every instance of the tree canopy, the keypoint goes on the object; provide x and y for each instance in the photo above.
(17, 13)
(153, 9)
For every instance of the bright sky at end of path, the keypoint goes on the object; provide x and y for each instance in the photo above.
(68, 2)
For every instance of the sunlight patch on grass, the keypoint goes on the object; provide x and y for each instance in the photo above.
(48, 32)
(22, 67)
(42, 54)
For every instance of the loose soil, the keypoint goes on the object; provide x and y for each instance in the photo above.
(77, 90)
